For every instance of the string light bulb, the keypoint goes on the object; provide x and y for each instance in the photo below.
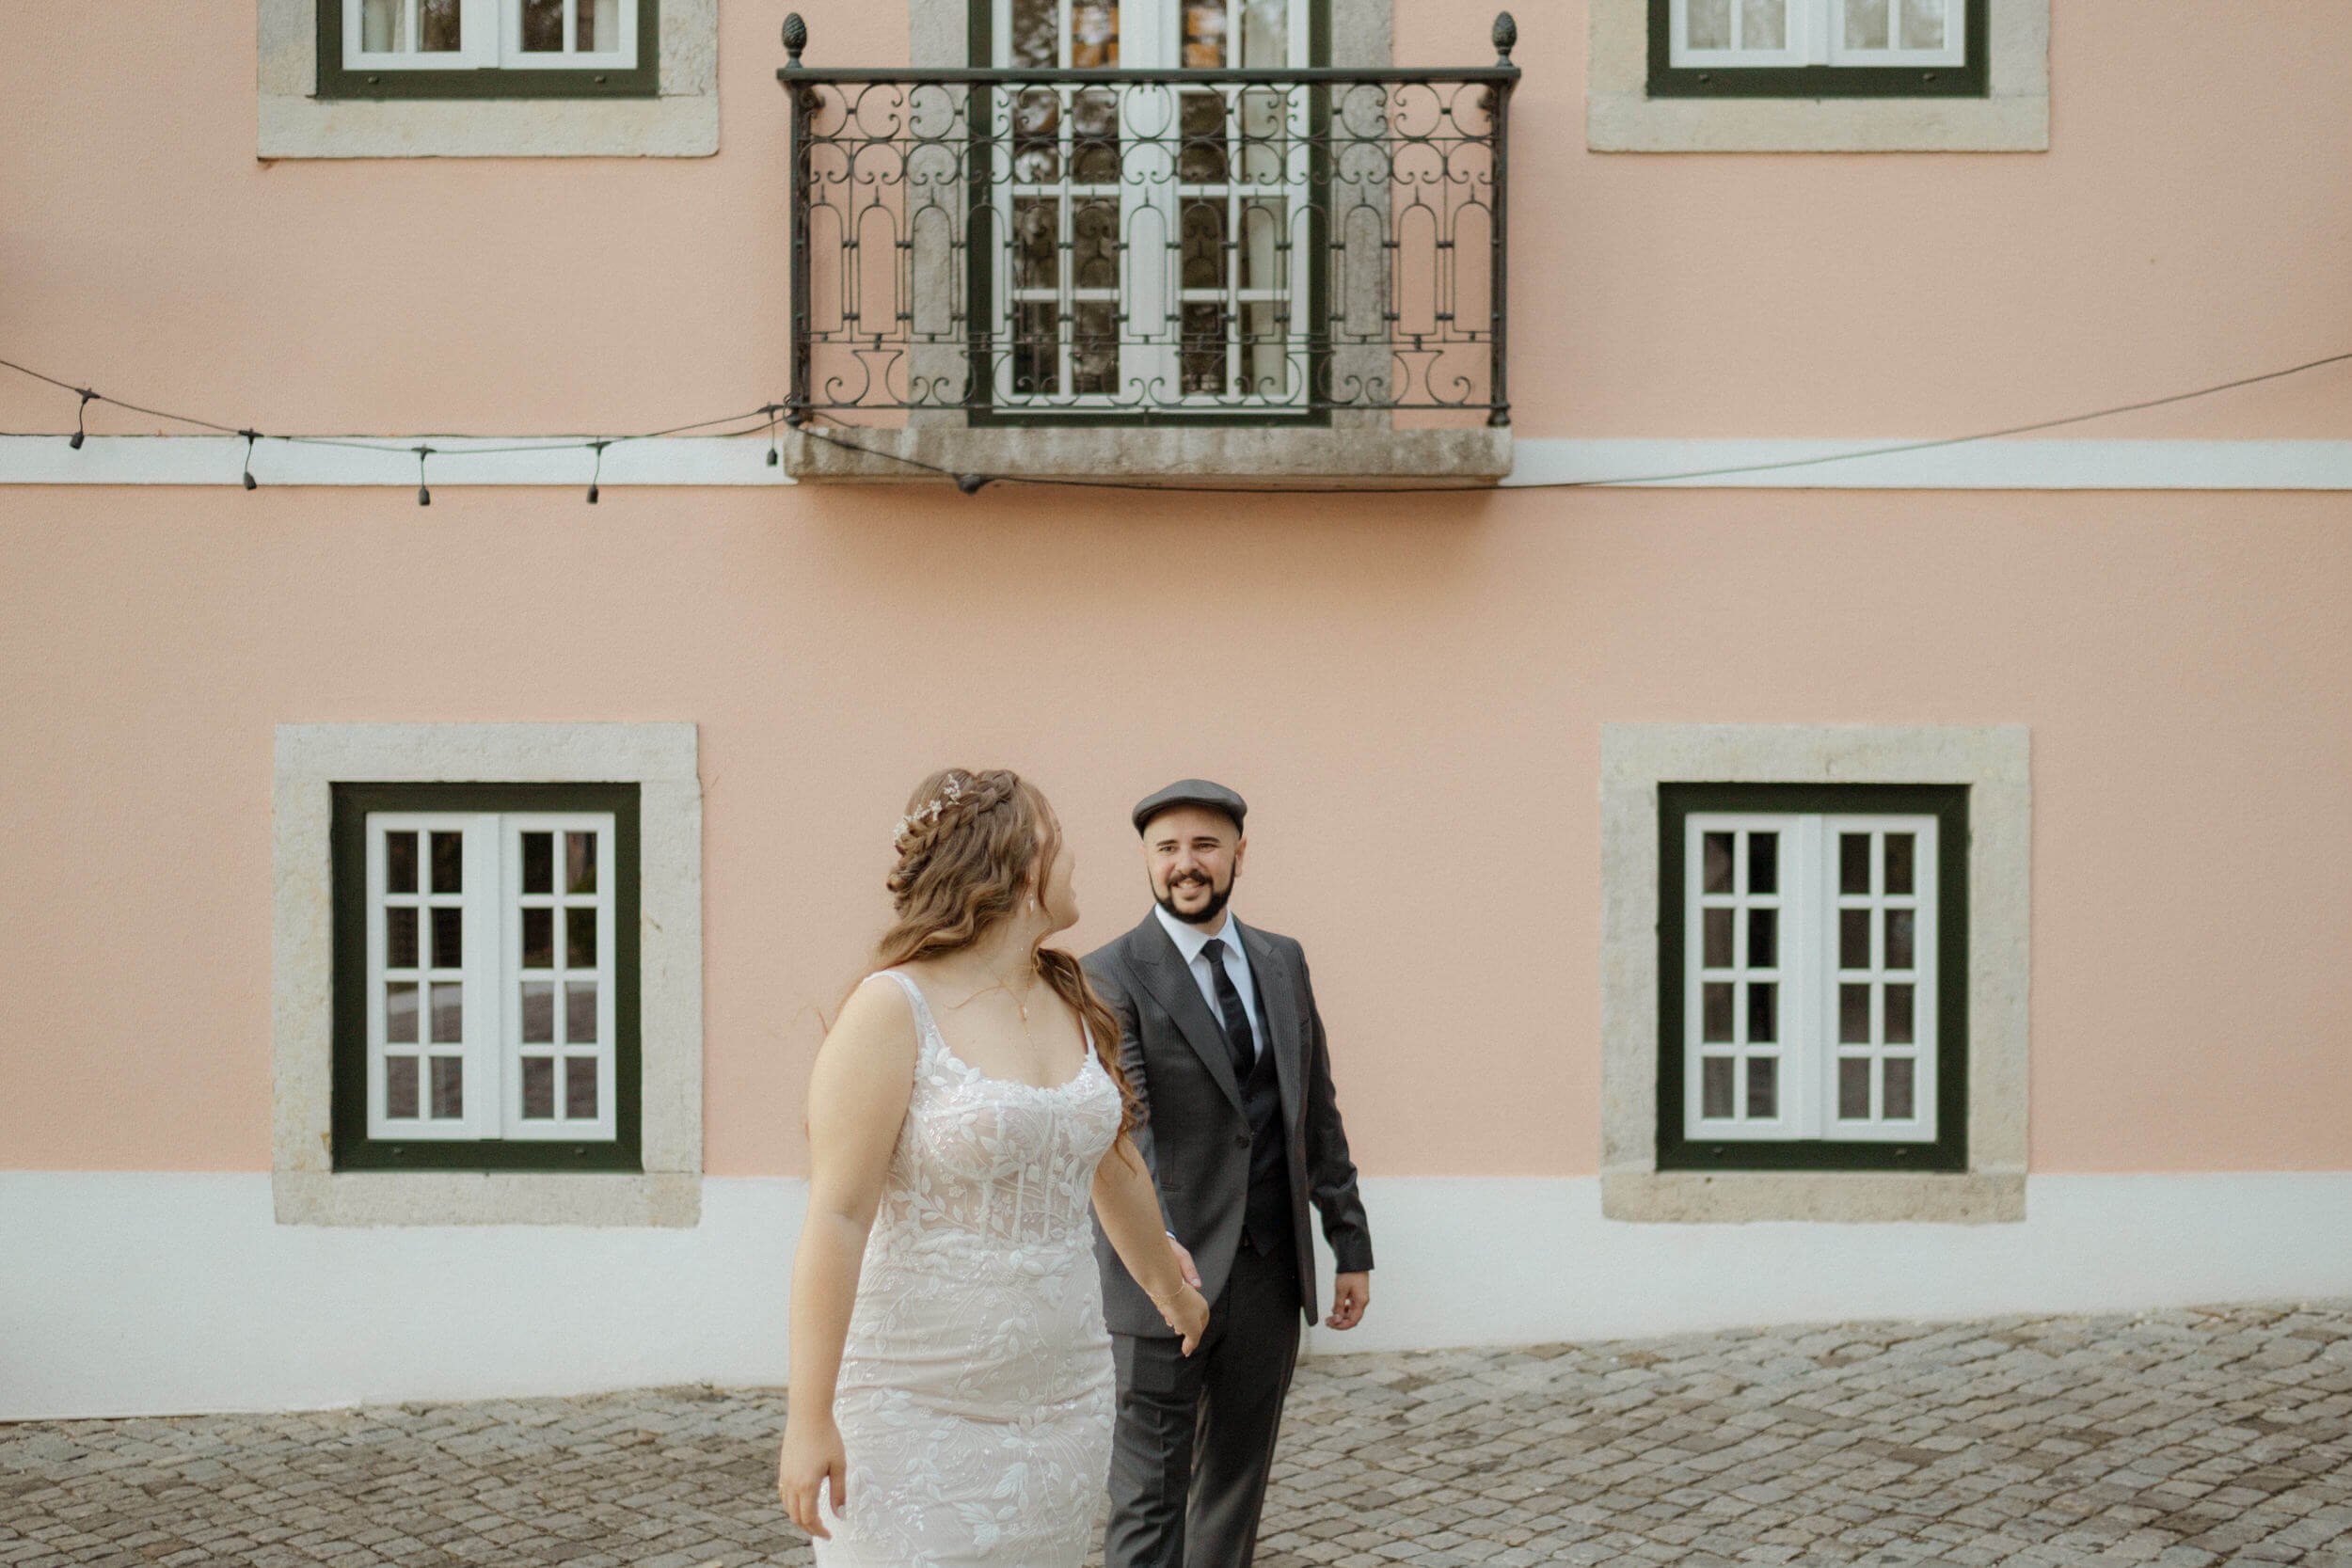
(598, 472)
(250, 437)
(771, 411)
(425, 497)
(79, 429)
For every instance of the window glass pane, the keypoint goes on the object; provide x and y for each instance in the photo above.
(1763, 1012)
(399, 1012)
(1036, 349)
(1853, 1088)
(580, 1012)
(1718, 852)
(1094, 242)
(1094, 139)
(1717, 926)
(538, 1088)
(448, 939)
(538, 1012)
(1901, 927)
(1036, 241)
(449, 862)
(1899, 848)
(1094, 349)
(1093, 34)
(598, 26)
(1865, 24)
(580, 939)
(1037, 135)
(1200, 160)
(1899, 1011)
(1853, 863)
(1204, 242)
(400, 1086)
(383, 26)
(1203, 350)
(1034, 22)
(539, 938)
(1710, 24)
(1923, 23)
(1763, 24)
(1853, 1015)
(1763, 939)
(1899, 1098)
(543, 27)
(538, 863)
(1763, 862)
(1763, 1087)
(437, 26)
(1265, 34)
(1853, 939)
(449, 1087)
(448, 1011)
(400, 863)
(1715, 1087)
(1204, 35)
(580, 1087)
(579, 862)
(1715, 1011)
(400, 938)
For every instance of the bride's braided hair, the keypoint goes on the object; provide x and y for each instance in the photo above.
(973, 846)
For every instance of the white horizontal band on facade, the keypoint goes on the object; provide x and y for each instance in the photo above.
(704, 459)
(159, 1293)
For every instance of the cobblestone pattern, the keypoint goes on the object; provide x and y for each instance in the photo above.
(2181, 1438)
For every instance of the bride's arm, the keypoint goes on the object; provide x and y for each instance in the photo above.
(857, 1098)
(1129, 1208)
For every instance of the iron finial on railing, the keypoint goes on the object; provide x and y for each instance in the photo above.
(795, 40)
(1506, 38)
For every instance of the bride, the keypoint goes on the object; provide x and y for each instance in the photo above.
(953, 1388)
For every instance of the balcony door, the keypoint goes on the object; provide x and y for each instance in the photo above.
(1149, 232)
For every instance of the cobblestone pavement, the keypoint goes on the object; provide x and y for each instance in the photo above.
(2176, 1438)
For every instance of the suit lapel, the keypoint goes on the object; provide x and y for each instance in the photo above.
(1164, 974)
(1281, 1013)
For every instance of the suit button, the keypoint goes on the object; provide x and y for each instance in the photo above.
(1240, 1140)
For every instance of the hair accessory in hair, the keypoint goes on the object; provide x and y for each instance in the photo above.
(927, 814)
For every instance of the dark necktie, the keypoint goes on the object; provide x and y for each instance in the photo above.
(1239, 1042)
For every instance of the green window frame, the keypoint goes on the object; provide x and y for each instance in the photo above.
(1949, 1150)
(1970, 79)
(642, 80)
(351, 1148)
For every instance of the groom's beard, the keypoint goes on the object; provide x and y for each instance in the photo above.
(1208, 912)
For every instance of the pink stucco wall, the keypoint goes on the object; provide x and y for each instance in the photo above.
(2177, 232)
(1409, 689)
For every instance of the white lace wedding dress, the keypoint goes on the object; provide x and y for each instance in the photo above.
(976, 1392)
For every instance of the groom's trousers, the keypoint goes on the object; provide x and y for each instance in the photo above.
(1195, 1436)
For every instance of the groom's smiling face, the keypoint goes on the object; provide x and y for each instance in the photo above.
(1192, 855)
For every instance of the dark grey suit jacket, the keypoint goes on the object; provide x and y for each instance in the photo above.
(1194, 1136)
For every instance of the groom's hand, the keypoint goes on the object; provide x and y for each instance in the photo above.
(1350, 1294)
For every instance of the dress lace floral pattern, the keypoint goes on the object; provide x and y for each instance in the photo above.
(976, 1392)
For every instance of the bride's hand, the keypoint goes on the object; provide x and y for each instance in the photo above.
(813, 1459)
(1188, 1313)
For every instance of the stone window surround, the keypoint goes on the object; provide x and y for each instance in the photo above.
(1621, 117)
(660, 758)
(1993, 761)
(682, 122)
(1361, 448)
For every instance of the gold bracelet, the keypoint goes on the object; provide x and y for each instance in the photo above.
(1163, 1301)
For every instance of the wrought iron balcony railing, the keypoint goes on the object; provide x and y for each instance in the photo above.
(1241, 246)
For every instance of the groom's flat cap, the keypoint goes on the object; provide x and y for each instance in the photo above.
(1190, 792)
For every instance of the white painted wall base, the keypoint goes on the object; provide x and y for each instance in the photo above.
(165, 1293)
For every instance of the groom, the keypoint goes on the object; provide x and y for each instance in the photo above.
(1225, 1050)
